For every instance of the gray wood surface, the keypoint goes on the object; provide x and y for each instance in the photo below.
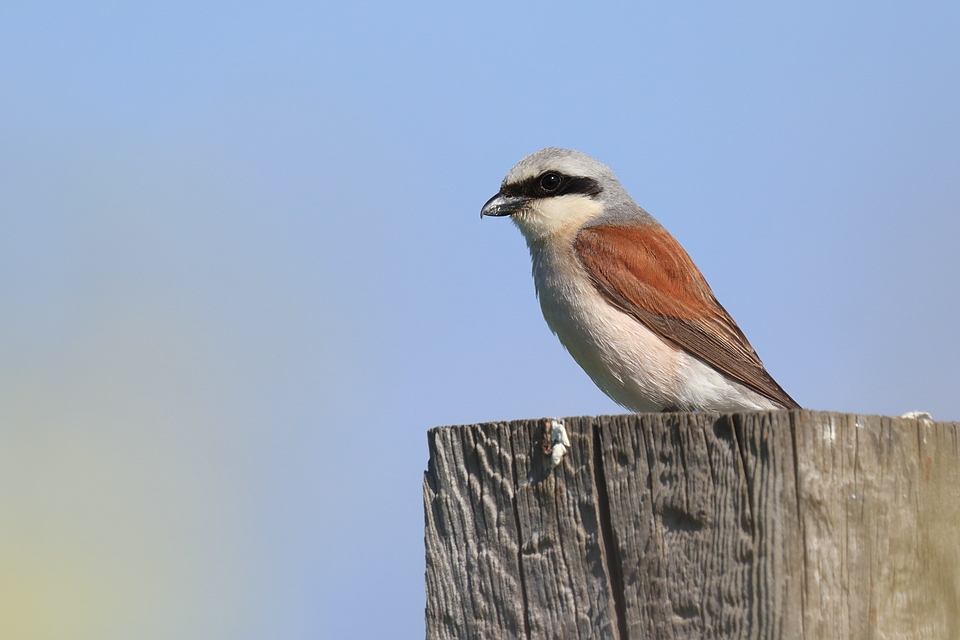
(775, 525)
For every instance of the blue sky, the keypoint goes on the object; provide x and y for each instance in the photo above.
(243, 270)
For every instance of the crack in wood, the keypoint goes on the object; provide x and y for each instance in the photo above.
(608, 548)
(741, 442)
(516, 518)
(801, 525)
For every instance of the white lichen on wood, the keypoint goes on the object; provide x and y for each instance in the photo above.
(559, 441)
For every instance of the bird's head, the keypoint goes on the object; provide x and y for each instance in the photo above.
(554, 190)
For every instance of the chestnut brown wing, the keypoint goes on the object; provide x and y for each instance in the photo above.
(646, 273)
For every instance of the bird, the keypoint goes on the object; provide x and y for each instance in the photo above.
(624, 298)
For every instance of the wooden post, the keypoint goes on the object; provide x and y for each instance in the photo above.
(781, 525)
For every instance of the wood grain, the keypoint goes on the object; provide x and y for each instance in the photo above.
(785, 524)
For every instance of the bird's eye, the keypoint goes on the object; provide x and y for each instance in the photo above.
(550, 181)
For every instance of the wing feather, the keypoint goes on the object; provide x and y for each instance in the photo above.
(645, 272)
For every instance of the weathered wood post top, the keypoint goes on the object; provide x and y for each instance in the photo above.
(780, 525)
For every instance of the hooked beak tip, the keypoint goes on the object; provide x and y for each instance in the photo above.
(501, 205)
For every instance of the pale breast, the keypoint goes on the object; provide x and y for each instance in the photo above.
(626, 360)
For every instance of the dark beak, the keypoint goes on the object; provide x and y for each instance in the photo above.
(501, 205)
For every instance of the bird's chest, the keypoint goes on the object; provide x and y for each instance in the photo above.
(600, 337)
(567, 297)
(624, 358)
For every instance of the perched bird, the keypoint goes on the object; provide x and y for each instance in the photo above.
(623, 296)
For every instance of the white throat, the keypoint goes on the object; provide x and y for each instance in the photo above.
(551, 216)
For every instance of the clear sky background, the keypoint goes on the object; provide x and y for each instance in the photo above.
(242, 269)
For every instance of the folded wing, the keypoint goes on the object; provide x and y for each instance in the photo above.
(647, 274)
